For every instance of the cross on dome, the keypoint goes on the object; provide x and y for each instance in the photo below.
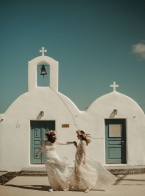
(114, 86)
(43, 51)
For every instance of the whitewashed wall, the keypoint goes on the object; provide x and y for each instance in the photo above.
(15, 128)
(15, 122)
(128, 109)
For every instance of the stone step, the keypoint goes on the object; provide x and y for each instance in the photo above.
(116, 170)
(125, 169)
(33, 171)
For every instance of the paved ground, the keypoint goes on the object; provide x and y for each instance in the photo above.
(127, 185)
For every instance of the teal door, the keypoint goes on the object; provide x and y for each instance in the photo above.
(38, 129)
(115, 135)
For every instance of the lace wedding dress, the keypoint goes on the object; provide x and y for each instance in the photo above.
(90, 175)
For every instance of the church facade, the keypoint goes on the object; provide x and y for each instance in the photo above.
(115, 122)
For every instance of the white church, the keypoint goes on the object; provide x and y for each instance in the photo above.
(115, 121)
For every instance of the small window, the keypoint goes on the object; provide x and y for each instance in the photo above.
(115, 130)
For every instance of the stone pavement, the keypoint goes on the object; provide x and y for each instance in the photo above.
(126, 185)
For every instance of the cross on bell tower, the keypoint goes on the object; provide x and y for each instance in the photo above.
(33, 65)
(43, 51)
(114, 86)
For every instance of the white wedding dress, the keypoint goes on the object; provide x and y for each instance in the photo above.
(58, 169)
(91, 175)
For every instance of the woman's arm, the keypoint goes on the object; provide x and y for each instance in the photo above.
(66, 143)
(74, 142)
(41, 149)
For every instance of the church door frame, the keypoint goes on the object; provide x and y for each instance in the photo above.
(37, 136)
(115, 141)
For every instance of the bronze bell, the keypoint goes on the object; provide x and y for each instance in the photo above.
(43, 71)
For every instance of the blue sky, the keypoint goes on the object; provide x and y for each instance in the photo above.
(95, 41)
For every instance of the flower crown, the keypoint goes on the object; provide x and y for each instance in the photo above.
(80, 132)
(50, 132)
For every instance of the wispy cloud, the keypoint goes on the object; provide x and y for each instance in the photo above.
(139, 49)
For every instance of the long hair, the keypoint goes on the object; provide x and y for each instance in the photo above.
(51, 136)
(84, 136)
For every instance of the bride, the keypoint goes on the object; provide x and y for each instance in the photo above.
(89, 174)
(57, 169)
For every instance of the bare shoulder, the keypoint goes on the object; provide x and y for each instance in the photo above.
(83, 142)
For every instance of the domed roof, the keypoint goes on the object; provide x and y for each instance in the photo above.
(115, 100)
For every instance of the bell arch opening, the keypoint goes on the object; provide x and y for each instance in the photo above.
(43, 75)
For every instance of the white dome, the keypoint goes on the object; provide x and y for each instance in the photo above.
(115, 101)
